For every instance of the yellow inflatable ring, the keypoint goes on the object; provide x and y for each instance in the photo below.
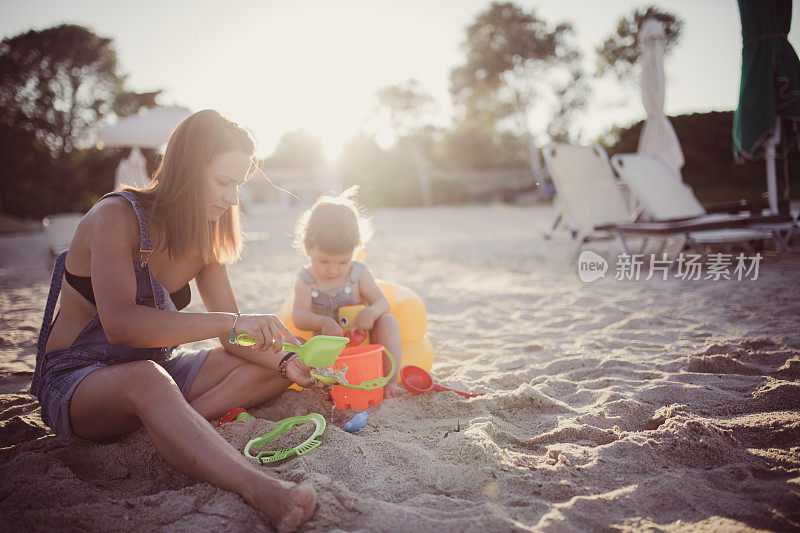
(406, 307)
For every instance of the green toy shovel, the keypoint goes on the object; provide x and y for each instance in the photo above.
(322, 350)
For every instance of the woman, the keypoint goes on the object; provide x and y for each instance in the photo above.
(106, 365)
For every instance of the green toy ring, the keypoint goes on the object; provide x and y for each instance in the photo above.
(269, 456)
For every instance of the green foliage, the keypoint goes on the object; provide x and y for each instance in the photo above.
(56, 86)
(298, 148)
(363, 162)
(389, 177)
(24, 164)
(476, 146)
(34, 184)
(571, 96)
(406, 106)
(384, 177)
(708, 150)
(619, 52)
(508, 55)
(128, 103)
(57, 83)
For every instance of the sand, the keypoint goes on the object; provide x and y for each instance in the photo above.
(613, 405)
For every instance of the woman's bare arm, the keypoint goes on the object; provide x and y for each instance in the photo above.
(114, 244)
(215, 290)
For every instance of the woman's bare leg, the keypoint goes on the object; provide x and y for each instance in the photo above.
(109, 402)
(225, 381)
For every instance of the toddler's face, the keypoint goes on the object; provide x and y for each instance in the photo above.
(329, 267)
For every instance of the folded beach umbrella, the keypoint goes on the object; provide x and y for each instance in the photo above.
(150, 128)
(658, 136)
(769, 95)
(132, 171)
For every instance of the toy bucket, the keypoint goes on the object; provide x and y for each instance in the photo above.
(363, 363)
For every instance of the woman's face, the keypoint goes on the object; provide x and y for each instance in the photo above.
(224, 175)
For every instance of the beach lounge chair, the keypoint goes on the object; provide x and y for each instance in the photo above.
(660, 197)
(58, 231)
(573, 169)
(595, 206)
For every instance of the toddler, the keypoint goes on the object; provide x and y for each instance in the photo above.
(330, 234)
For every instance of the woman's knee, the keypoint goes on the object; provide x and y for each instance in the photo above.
(144, 378)
(109, 401)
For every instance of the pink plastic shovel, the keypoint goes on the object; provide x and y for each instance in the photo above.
(417, 381)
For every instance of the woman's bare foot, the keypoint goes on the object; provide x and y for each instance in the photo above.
(287, 505)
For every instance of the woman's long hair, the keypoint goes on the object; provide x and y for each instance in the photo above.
(177, 197)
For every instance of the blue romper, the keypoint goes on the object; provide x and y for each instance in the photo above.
(59, 372)
(328, 302)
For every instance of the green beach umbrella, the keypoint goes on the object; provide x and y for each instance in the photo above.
(769, 94)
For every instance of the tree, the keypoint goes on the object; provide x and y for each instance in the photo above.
(407, 106)
(571, 96)
(298, 148)
(58, 83)
(56, 86)
(510, 53)
(475, 146)
(619, 52)
(364, 163)
(128, 103)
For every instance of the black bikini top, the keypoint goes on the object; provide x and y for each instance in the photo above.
(181, 298)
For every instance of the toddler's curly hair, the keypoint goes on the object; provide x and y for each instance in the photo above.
(334, 224)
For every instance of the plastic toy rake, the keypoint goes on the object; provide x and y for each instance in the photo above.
(269, 456)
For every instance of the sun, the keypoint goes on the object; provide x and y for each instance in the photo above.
(282, 70)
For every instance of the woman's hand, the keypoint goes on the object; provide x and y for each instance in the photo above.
(267, 330)
(330, 327)
(300, 374)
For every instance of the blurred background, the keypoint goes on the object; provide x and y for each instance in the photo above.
(419, 103)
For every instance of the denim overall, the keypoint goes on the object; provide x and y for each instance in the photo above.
(328, 302)
(59, 372)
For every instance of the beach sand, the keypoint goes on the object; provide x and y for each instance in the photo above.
(613, 405)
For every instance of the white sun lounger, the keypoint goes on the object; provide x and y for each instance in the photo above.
(661, 197)
(595, 206)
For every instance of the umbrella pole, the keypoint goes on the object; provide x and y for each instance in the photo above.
(770, 154)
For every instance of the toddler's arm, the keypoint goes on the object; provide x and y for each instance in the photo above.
(304, 318)
(373, 298)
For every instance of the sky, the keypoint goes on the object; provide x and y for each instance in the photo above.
(278, 66)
